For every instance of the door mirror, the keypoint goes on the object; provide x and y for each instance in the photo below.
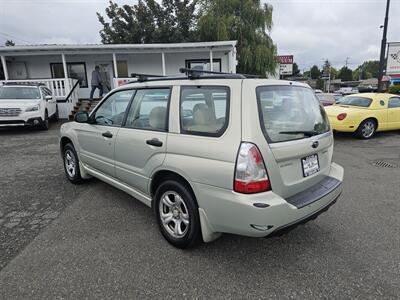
(48, 97)
(81, 117)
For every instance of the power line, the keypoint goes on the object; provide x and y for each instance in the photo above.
(14, 37)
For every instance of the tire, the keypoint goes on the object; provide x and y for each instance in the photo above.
(177, 214)
(45, 125)
(367, 129)
(55, 116)
(71, 164)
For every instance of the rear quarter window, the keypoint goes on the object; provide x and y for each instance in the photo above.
(356, 101)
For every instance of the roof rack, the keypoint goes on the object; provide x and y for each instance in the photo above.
(29, 83)
(190, 74)
(196, 74)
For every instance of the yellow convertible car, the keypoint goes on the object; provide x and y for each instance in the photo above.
(365, 114)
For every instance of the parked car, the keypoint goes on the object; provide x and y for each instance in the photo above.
(347, 90)
(211, 155)
(327, 99)
(365, 114)
(27, 104)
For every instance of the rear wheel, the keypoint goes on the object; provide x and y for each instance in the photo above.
(367, 129)
(71, 164)
(177, 214)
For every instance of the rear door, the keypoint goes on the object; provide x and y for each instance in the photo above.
(291, 129)
(140, 145)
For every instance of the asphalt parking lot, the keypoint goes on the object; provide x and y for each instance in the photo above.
(58, 240)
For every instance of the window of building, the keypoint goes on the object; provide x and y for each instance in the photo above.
(203, 64)
(75, 70)
(204, 110)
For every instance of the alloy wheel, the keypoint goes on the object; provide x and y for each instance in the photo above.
(70, 163)
(174, 214)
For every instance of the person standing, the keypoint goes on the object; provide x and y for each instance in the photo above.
(96, 82)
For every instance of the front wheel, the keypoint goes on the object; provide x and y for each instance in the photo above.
(177, 214)
(71, 164)
(367, 129)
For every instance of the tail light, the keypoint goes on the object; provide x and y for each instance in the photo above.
(341, 116)
(250, 173)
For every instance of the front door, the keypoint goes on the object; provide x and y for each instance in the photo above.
(106, 74)
(97, 139)
(394, 113)
(141, 143)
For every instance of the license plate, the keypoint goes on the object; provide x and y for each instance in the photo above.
(310, 165)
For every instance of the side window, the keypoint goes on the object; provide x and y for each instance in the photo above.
(394, 102)
(112, 110)
(44, 92)
(204, 110)
(149, 110)
(48, 91)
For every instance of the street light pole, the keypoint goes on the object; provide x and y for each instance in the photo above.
(383, 48)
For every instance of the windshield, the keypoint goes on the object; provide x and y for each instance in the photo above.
(19, 92)
(290, 113)
(356, 101)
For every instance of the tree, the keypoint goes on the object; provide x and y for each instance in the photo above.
(149, 21)
(246, 21)
(315, 72)
(9, 43)
(296, 70)
(345, 74)
(369, 69)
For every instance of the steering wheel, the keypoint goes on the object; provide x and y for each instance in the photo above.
(106, 120)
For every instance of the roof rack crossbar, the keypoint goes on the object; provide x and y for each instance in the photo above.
(194, 73)
(144, 77)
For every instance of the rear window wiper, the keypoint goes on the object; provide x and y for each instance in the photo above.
(306, 133)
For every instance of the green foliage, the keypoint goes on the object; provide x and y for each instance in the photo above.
(320, 84)
(369, 69)
(246, 21)
(174, 21)
(394, 89)
(345, 74)
(9, 43)
(296, 70)
(149, 21)
(315, 72)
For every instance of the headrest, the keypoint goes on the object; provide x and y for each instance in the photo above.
(158, 117)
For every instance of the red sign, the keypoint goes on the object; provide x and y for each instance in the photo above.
(285, 59)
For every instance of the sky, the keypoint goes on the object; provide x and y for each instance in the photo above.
(311, 30)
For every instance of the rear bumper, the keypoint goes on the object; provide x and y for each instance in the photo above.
(262, 214)
(342, 127)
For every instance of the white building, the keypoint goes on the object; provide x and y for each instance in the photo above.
(67, 69)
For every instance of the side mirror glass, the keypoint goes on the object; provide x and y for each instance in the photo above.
(81, 117)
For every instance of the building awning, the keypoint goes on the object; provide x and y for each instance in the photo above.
(115, 48)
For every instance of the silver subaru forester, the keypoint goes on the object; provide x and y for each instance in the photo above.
(211, 154)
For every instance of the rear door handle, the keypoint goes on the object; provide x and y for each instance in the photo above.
(107, 134)
(154, 142)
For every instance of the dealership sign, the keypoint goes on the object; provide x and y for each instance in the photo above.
(393, 59)
(286, 64)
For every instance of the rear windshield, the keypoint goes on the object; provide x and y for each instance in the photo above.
(356, 101)
(290, 113)
(11, 92)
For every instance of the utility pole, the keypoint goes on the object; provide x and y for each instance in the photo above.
(383, 48)
(347, 61)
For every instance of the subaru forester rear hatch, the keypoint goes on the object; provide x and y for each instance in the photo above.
(297, 139)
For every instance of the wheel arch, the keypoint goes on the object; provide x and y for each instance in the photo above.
(373, 119)
(163, 175)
